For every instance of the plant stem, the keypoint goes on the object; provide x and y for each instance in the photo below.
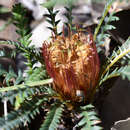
(108, 6)
(31, 84)
(115, 60)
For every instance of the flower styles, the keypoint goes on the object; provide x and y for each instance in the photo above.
(73, 63)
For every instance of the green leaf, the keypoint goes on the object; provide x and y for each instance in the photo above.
(37, 74)
(47, 15)
(19, 78)
(126, 73)
(53, 117)
(49, 21)
(123, 51)
(109, 27)
(27, 111)
(89, 120)
(50, 28)
(22, 24)
(57, 22)
(114, 18)
(30, 84)
(106, 9)
(10, 75)
(55, 13)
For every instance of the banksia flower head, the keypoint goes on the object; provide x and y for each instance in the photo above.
(73, 63)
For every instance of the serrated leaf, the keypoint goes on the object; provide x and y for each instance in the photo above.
(19, 78)
(109, 27)
(96, 128)
(53, 117)
(106, 9)
(50, 28)
(114, 18)
(118, 55)
(126, 73)
(89, 118)
(57, 22)
(18, 117)
(49, 21)
(47, 15)
(89, 106)
(30, 84)
(55, 13)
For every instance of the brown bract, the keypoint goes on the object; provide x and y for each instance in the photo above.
(73, 63)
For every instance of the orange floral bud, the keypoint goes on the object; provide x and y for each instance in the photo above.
(73, 63)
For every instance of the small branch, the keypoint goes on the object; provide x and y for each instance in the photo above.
(31, 84)
(108, 6)
(109, 77)
(115, 60)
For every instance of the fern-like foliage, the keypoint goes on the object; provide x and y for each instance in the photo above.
(35, 54)
(89, 120)
(68, 14)
(115, 73)
(106, 27)
(111, 69)
(126, 73)
(30, 53)
(53, 117)
(114, 68)
(51, 16)
(18, 95)
(8, 75)
(51, 19)
(30, 84)
(122, 52)
(23, 115)
(22, 24)
(106, 9)
(28, 94)
(37, 74)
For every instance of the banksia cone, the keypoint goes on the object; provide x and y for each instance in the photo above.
(73, 63)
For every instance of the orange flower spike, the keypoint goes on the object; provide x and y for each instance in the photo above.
(73, 63)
